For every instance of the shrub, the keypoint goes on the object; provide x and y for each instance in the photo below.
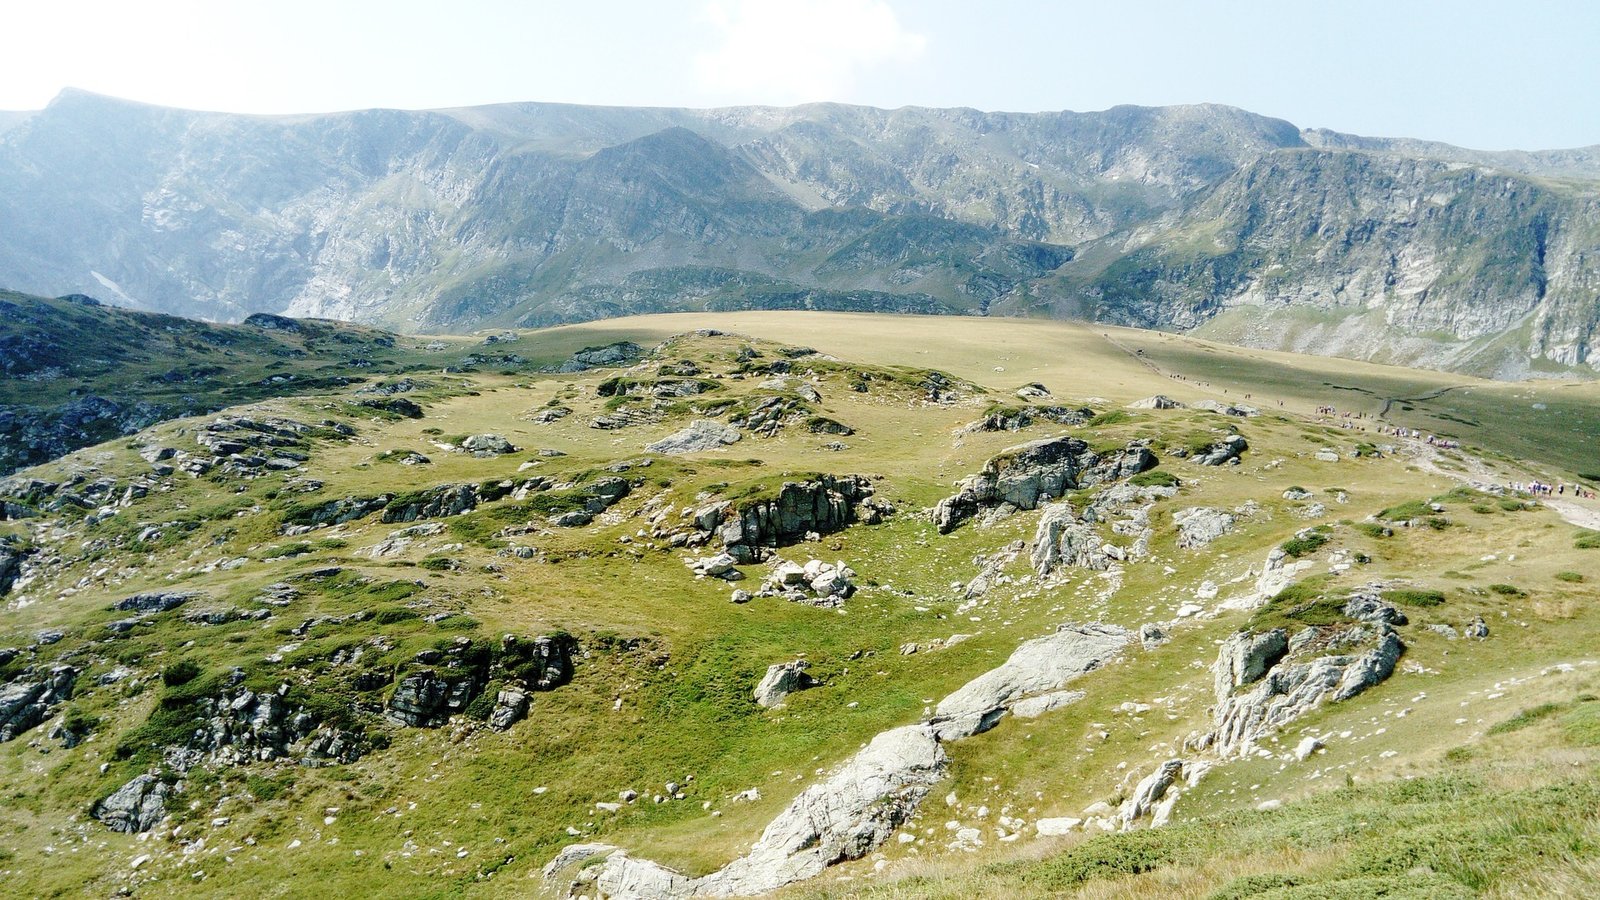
(1305, 544)
(1414, 509)
(1587, 540)
(1373, 529)
(1508, 590)
(393, 615)
(483, 704)
(180, 673)
(1414, 597)
(1112, 417)
(1154, 478)
(1525, 718)
(1574, 577)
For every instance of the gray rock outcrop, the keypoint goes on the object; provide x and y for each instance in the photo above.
(1060, 540)
(1030, 474)
(1042, 664)
(433, 503)
(781, 680)
(1245, 657)
(135, 807)
(486, 445)
(701, 435)
(1149, 792)
(1157, 401)
(1290, 689)
(28, 700)
(1198, 526)
(1227, 450)
(820, 506)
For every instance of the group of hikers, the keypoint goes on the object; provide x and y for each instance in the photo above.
(1540, 489)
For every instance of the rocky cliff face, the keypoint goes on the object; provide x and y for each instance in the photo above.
(533, 214)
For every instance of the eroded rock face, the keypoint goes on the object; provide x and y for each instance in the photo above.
(1245, 657)
(135, 807)
(28, 701)
(1060, 541)
(1290, 689)
(781, 680)
(337, 512)
(1030, 474)
(428, 699)
(1149, 793)
(821, 506)
(433, 503)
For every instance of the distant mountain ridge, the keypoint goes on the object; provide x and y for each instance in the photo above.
(1197, 217)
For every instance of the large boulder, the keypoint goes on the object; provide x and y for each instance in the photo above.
(781, 680)
(484, 445)
(135, 807)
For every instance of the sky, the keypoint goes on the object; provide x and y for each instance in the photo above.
(1488, 75)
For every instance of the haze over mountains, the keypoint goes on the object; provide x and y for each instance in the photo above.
(1202, 218)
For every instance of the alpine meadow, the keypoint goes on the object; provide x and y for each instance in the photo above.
(816, 502)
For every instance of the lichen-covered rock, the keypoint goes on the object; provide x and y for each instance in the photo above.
(135, 807)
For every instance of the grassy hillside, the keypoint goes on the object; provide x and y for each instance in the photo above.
(339, 615)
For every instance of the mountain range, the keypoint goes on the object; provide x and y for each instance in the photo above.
(1196, 218)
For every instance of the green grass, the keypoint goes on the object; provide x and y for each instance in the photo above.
(1414, 597)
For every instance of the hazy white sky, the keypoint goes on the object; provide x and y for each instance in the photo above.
(1483, 74)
